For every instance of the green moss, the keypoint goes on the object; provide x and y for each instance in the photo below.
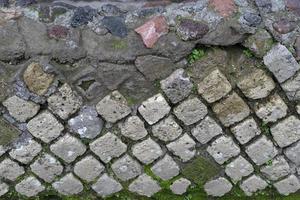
(8, 133)
(118, 44)
(265, 129)
(248, 53)
(196, 55)
(85, 85)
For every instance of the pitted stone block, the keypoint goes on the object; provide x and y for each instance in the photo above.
(293, 153)
(167, 129)
(10, 170)
(4, 188)
(133, 128)
(166, 168)
(288, 185)
(238, 168)
(144, 185)
(276, 169)
(147, 151)
(245, 130)
(180, 186)
(25, 151)
(253, 184)
(217, 187)
(184, 147)
(291, 87)
(29, 187)
(68, 185)
(106, 186)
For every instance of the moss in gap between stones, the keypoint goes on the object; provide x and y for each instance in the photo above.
(8, 133)
(118, 44)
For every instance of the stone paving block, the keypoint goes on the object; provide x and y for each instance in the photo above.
(45, 127)
(166, 168)
(29, 187)
(106, 186)
(293, 153)
(291, 87)
(144, 185)
(180, 186)
(68, 185)
(246, 130)
(217, 187)
(8, 133)
(222, 149)
(206, 130)
(184, 147)
(113, 107)
(253, 184)
(286, 131)
(276, 169)
(133, 128)
(190, 111)
(288, 185)
(10, 170)
(2, 150)
(154, 109)
(238, 168)
(147, 151)
(214, 86)
(4, 188)
(108, 147)
(167, 129)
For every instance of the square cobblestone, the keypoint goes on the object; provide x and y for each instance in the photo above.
(184, 147)
(245, 130)
(167, 129)
(166, 168)
(276, 169)
(253, 184)
(238, 168)
(147, 151)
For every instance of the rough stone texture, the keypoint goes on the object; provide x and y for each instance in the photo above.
(167, 129)
(126, 168)
(10, 170)
(180, 186)
(238, 168)
(4, 188)
(272, 110)
(8, 133)
(113, 107)
(166, 168)
(277, 168)
(116, 25)
(253, 184)
(261, 151)
(286, 131)
(245, 130)
(183, 147)
(281, 62)
(231, 110)
(108, 147)
(190, 111)
(222, 149)
(88, 168)
(45, 127)
(206, 130)
(293, 152)
(191, 30)
(291, 88)
(20, 109)
(106, 186)
(68, 148)
(154, 109)
(25, 151)
(287, 186)
(144, 185)
(217, 187)
(147, 151)
(29, 187)
(214, 86)
(133, 128)
(68, 185)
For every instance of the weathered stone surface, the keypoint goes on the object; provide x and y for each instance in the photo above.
(286, 131)
(106, 186)
(82, 16)
(10, 169)
(147, 151)
(113, 107)
(238, 168)
(261, 151)
(154, 109)
(183, 147)
(68, 185)
(25, 151)
(166, 168)
(88, 168)
(190, 111)
(277, 168)
(167, 129)
(68, 148)
(284, 26)
(144, 185)
(8, 133)
(281, 62)
(116, 25)
(222, 149)
(294, 6)
(126, 168)
(58, 32)
(225, 8)
(293, 152)
(4, 188)
(180, 186)
(231, 110)
(291, 88)
(4, 3)
(217, 187)
(287, 186)
(108, 147)
(214, 86)
(253, 184)
(189, 29)
(133, 128)
(29, 187)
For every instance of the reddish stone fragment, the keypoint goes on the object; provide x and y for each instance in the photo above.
(293, 5)
(58, 32)
(284, 26)
(152, 30)
(223, 7)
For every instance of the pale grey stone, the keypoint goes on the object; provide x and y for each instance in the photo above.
(180, 186)
(68, 185)
(68, 148)
(167, 129)
(154, 109)
(206, 130)
(88, 168)
(222, 149)
(4, 188)
(133, 128)
(10, 170)
(286, 131)
(190, 111)
(288, 185)
(126, 168)
(253, 184)
(184, 147)
(298, 108)
(29, 187)
(245, 130)
(106, 186)
(166, 168)
(20, 109)
(217, 187)
(293, 153)
(45, 127)
(276, 169)
(108, 147)
(261, 151)
(238, 168)
(25, 151)
(113, 107)
(144, 185)
(291, 87)
(2, 150)
(147, 151)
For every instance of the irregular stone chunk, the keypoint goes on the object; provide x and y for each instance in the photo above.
(4, 188)
(238, 169)
(253, 184)
(287, 131)
(58, 32)
(8, 133)
(10, 169)
(167, 129)
(294, 6)
(29, 187)
(217, 187)
(25, 151)
(281, 62)
(113, 107)
(214, 86)
(293, 153)
(222, 149)
(68, 185)
(154, 109)
(284, 26)
(231, 110)
(206, 130)
(36, 79)
(190, 111)
(287, 186)
(144, 185)
(180, 186)
(245, 130)
(177, 86)
(261, 151)
(166, 168)
(272, 110)
(20, 109)
(65, 102)
(82, 16)
(224, 7)
(126, 168)
(88, 168)
(133, 128)
(191, 30)
(184, 148)
(68, 148)
(116, 25)
(147, 151)
(47, 167)
(297, 47)
(276, 169)
(106, 186)
(291, 88)
(108, 147)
